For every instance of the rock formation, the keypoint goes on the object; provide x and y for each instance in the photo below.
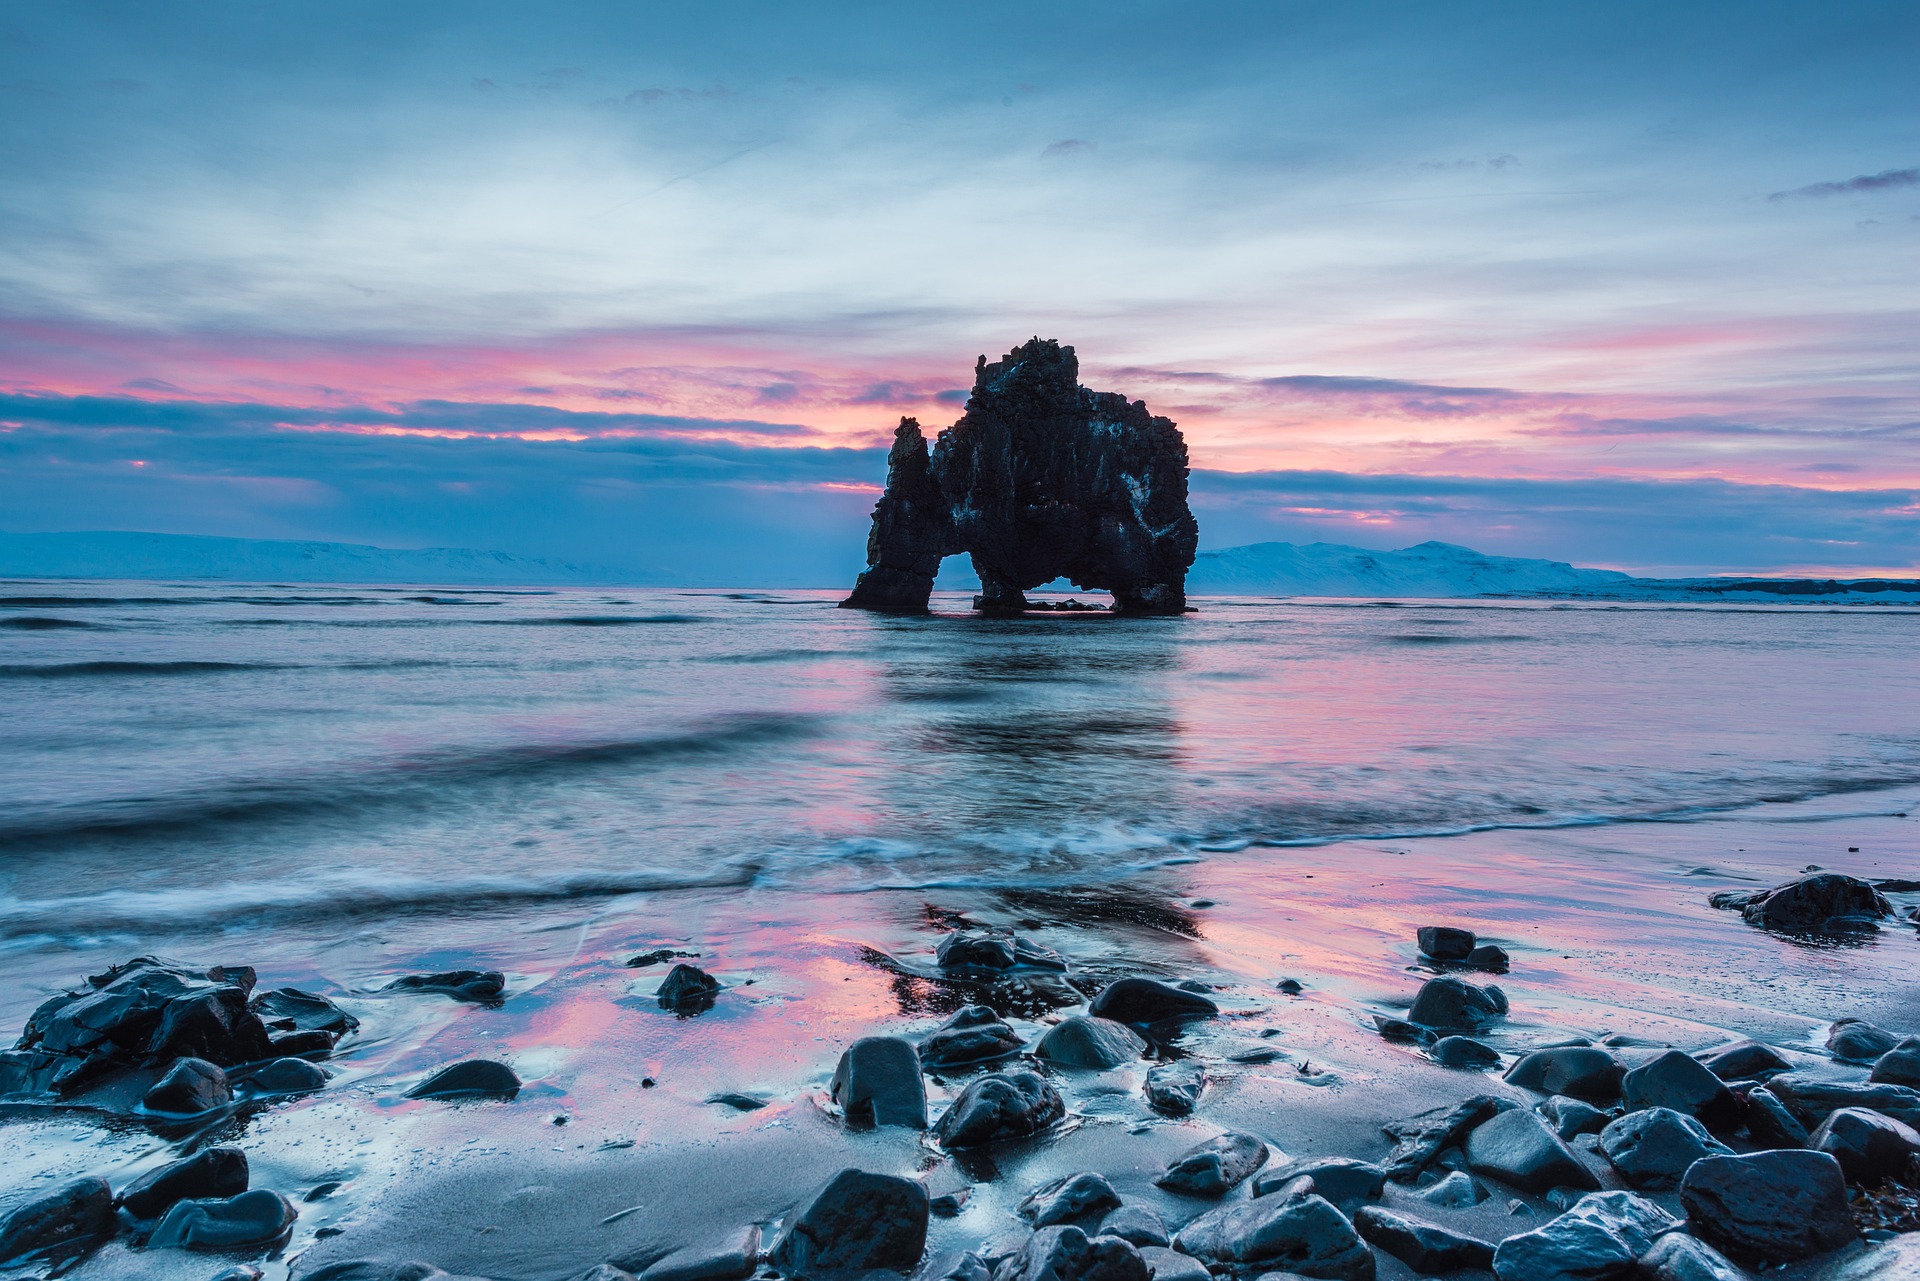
(1040, 479)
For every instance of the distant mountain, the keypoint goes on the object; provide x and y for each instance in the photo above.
(133, 555)
(1429, 569)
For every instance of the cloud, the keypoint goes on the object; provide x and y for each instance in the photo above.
(1889, 180)
(1067, 147)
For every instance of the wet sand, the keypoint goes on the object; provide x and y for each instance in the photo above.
(1608, 927)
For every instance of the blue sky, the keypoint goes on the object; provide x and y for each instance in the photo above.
(1626, 284)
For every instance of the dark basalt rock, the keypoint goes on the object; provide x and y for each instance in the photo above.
(964, 951)
(1571, 1116)
(688, 989)
(1599, 1238)
(1868, 1146)
(1171, 1265)
(1215, 1167)
(731, 1256)
(1303, 1234)
(1857, 1041)
(1769, 1207)
(1490, 957)
(1148, 1002)
(190, 1087)
(1458, 1191)
(659, 956)
(1081, 1199)
(1465, 1052)
(214, 1172)
(1065, 1253)
(481, 987)
(1451, 1005)
(1811, 1098)
(473, 1078)
(63, 1224)
(974, 1035)
(289, 1009)
(252, 1219)
(1419, 1139)
(1683, 1083)
(1653, 1148)
(281, 1076)
(858, 1221)
(1082, 1042)
(1519, 1148)
(1340, 1179)
(1040, 479)
(145, 1012)
(1744, 1060)
(1425, 1247)
(1137, 1224)
(1000, 1106)
(1445, 943)
(1825, 903)
(1173, 1089)
(1771, 1124)
(1679, 1257)
(301, 1045)
(878, 1081)
(1898, 1066)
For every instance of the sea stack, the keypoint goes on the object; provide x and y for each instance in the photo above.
(1039, 479)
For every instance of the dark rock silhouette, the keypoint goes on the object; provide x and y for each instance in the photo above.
(1040, 479)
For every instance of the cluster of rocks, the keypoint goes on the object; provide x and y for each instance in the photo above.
(1448, 945)
(200, 1202)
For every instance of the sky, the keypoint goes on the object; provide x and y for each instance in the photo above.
(632, 284)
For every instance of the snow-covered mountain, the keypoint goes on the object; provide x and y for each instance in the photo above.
(1429, 569)
(133, 555)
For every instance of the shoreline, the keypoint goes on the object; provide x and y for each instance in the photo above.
(1610, 934)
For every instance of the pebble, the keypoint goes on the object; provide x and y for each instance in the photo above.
(1456, 1192)
(479, 987)
(1094, 1043)
(687, 990)
(1174, 1088)
(1464, 1052)
(473, 1078)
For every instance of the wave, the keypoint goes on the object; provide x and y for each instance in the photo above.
(413, 780)
(128, 667)
(38, 623)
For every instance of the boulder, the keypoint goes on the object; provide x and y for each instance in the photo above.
(190, 1087)
(1464, 1052)
(1770, 1124)
(1303, 1234)
(1173, 1089)
(1340, 1179)
(1824, 903)
(210, 1173)
(1065, 1253)
(1448, 1004)
(1812, 1098)
(1147, 1002)
(1171, 1265)
(1654, 1147)
(1769, 1207)
(730, 1256)
(63, 1224)
(687, 989)
(858, 1221)
(878, 1081)
(1082, 1199)
(1215, 1167)
(148, 1011)
(974, 1035)
(289, 1009)
(1517, 1147)
(1425, 1247)
(1683, 1083)
(1743, 1061)
(214, 1025)
(1039, 479)
(1456, 1192)
(1869, 1147)
(1445, 943)
(481, 987)
(1569, 1117)
(1009, 1105)
(1579, 1071)
(1082, 1042)
(1419, 1139)
(249, 1221)
(283, 1076)
(1898, 1066)
(1679, 1257)
(1857, 1041)
(1600, 1238)
(473, 1078)
(1138, 1224)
